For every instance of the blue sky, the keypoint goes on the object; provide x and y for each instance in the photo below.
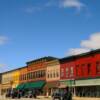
(30, 29)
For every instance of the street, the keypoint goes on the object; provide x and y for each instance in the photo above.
(45, 98)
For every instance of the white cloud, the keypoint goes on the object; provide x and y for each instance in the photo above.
(86, 45)
(75, 51)
(93, 42)
(3, 40)
(77, 4)
(73, 4)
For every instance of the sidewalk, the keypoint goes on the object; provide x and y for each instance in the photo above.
(85, 98)
(74, 98)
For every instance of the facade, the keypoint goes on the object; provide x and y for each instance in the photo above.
(87, 74)
(15, 81)
(7, 81)
(23, 75)
(79, 72)
(67, 73)
(52, 76)
(10, 80)
(33, 76)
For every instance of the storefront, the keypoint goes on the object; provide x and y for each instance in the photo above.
(68, 83)
(30, 86)
(88, 87)
(50, 87)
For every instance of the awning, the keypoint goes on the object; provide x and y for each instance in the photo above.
(52, 84)
(38, 84)
(20, 86)
(65, 83)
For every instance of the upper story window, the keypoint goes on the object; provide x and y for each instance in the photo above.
(83, 69)
(71, 71)
(67, 72)
(54, 75)
(62, 72)
(57, 73)
(77, 70)
(48, 75)
(98, 67)
(89, 68)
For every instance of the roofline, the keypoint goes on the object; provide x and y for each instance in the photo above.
(13, 70)
(80, 55)
(45, 57)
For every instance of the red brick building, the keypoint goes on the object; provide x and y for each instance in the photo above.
(67, 73)
(87, 74)
(82, 73)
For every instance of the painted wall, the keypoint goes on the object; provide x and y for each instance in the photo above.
(67, 70)
(23, 75)
(37, 69)
(81, 66)
(53, 71)
(16, 75)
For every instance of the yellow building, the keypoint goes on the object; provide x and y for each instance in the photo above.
(15, 81)
(10, 80)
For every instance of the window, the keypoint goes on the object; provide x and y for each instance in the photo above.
(83, 69)
(71, 71)
(67, 72)
(54, 74)
(98, 67)
(57, 74)
(48, 75)
(77, 70)
(89, 68)
(43, 73)
(25, 77)
(62, 72)
(28, 76)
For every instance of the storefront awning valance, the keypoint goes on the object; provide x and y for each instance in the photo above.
(65, 83)
(20, 86)
(38, 84)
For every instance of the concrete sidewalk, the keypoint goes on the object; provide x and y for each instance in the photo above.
(74, 98)
(85, 98)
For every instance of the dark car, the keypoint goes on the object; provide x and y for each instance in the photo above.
(16, 94)
(57, 95)
(30, 94)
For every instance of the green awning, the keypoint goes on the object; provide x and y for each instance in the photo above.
(38, 84)
(20, 86)
(68, 83)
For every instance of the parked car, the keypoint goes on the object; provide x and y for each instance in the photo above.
(30, 94)
(57, 95)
